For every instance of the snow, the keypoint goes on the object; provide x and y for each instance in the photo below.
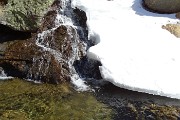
(135, 52)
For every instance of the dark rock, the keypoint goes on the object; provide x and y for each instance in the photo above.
(8, 37)
(49, 55)
(3, 2)
(163, 6)
(131, 105)
(51, 64)
(88, 68)
(8, 34)
(48, 22)
(81, 17)
(56, 51)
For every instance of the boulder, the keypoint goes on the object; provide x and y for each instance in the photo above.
(23, 15)
(48, 56)
(51, 64)
(163, 6)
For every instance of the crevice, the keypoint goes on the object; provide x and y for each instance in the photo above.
(12, 71)
(8, 34)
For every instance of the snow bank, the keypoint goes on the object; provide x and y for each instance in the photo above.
(135, 52)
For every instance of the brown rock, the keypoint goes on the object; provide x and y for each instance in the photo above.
(3, 2)
(50, 54)
(163, 6)
(173, 29)
(52, 65)
(178, 15)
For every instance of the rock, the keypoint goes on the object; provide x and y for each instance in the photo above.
(178, 15)
(163, 6)
(49, 55)
(56, 51)
(2, 3)
(88, 68)
(8, 37)
(52, 64)
(24, 15)
(173, 29)
(7, 34)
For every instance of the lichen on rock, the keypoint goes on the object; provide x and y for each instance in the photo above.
(24, 15)
(173, 29)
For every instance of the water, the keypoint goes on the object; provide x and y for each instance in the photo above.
(3, 75)
(65, 17)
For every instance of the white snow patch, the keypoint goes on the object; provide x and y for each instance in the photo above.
(135, 52)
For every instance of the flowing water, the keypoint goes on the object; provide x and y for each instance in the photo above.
(24, 100)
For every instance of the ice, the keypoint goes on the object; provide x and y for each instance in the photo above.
(135, 52)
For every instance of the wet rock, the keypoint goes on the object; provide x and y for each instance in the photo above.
(8, 37)
(81, 17)
(24, 15)
(88, 68)
(7, 34)
(173, 29)
(163, 6)
(131, 105)
(50, 63)
(49, 55)
(56, 51)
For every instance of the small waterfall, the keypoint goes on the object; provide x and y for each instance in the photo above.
(65, 19)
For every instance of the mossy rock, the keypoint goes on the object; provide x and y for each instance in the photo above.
(24, 15)
(163, 6)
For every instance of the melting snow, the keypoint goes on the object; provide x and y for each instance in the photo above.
(135, 52)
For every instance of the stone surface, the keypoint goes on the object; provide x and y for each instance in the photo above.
(24, 15)
(178, 15)
(173, 29)
(53, 54)
(49, 55)
(163, 6)
(52, 65)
